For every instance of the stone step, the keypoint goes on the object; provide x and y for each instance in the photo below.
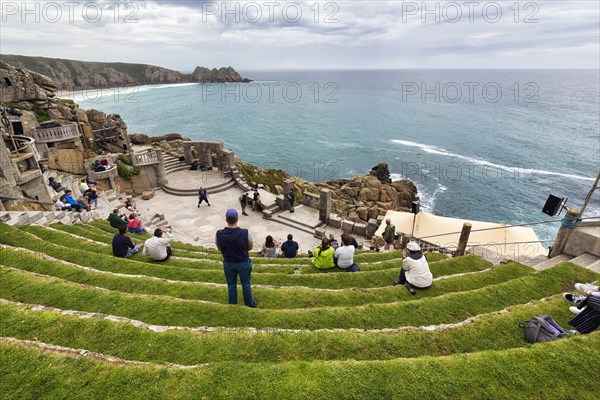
(595, 266)
(552, 262)
(292, 224)
(175, 168)
(585, 260)
(42, 222)
(14, 222)
(194, 192)
(287, 216)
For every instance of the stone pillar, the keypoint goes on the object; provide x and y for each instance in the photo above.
(161, 174)
(372, 227)
(566, 228)
(187, 153)
(463, 240)
(227, 160)
(207, 155)
(325, 204)
(287, 185)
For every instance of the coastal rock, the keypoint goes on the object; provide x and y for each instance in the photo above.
(28, 89)
(381, 172)
(357, 199)
(141, 139)
(205, 75)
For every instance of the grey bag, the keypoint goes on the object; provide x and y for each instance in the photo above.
(543, 329)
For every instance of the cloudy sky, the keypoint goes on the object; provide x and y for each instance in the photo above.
(309, 34)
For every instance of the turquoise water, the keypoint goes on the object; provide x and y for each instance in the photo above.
(483, 144)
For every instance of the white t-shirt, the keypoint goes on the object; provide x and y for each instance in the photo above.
(417, 272)
(345, 256)
(156, 248)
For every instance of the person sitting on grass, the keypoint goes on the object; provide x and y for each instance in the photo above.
(587, 319)
(415, 271)
(290, 247)
(158, 247)
(333, 242)
(122, 245)
(134, 225)
(323, 255)
(116, 220)
(269, 249)
(345, 255)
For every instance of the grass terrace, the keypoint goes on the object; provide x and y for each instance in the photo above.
(79, 323)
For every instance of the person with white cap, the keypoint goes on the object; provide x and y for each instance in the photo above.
(235, 243)
(415, 271)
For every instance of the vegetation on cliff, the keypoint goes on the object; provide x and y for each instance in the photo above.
(73, 74)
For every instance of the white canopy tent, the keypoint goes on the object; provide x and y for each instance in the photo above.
(509, 242)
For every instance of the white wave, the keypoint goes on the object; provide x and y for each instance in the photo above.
(478, 161)
(164, 86)
(427, 201)
(94, 95)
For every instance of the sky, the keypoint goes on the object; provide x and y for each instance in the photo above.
(265, 35)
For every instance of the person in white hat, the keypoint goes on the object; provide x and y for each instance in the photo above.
(415, 271)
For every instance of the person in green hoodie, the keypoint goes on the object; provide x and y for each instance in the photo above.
(116, 220)
(323, 255)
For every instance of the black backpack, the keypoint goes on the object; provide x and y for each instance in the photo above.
(543, 329)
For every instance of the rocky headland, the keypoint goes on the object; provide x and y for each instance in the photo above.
(79, 75)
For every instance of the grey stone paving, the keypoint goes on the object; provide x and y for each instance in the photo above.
(190, 222)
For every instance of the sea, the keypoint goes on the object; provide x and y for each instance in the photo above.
(488, 145)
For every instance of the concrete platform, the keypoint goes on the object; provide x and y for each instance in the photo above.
(302, 215)
(190, 222)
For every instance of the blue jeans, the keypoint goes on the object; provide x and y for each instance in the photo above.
(131, 252)
(244, 270)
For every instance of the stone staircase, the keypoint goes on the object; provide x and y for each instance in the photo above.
(107, 201)
(194, 191)
(173, 165)
(303, 219)
(585, 260)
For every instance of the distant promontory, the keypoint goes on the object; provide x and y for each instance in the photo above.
(79, 75)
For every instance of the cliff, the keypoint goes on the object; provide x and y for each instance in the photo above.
(72, 74)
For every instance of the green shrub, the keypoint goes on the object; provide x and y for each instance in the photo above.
(126, 172)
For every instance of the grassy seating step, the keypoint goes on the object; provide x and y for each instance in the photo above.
(304, 267)
(361, 256)
(494, 331)
(105, 262)
(104, 237)
(545, 370)
(16, 285)
(270, 298)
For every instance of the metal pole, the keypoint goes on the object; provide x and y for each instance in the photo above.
(589, 196)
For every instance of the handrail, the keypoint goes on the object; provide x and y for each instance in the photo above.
(150, 157)
(506, 227)
(55, 134)
(503, 243)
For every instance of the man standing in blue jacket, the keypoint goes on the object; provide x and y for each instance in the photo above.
(235, 243)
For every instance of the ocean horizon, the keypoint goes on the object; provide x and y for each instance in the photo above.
(488, 145)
